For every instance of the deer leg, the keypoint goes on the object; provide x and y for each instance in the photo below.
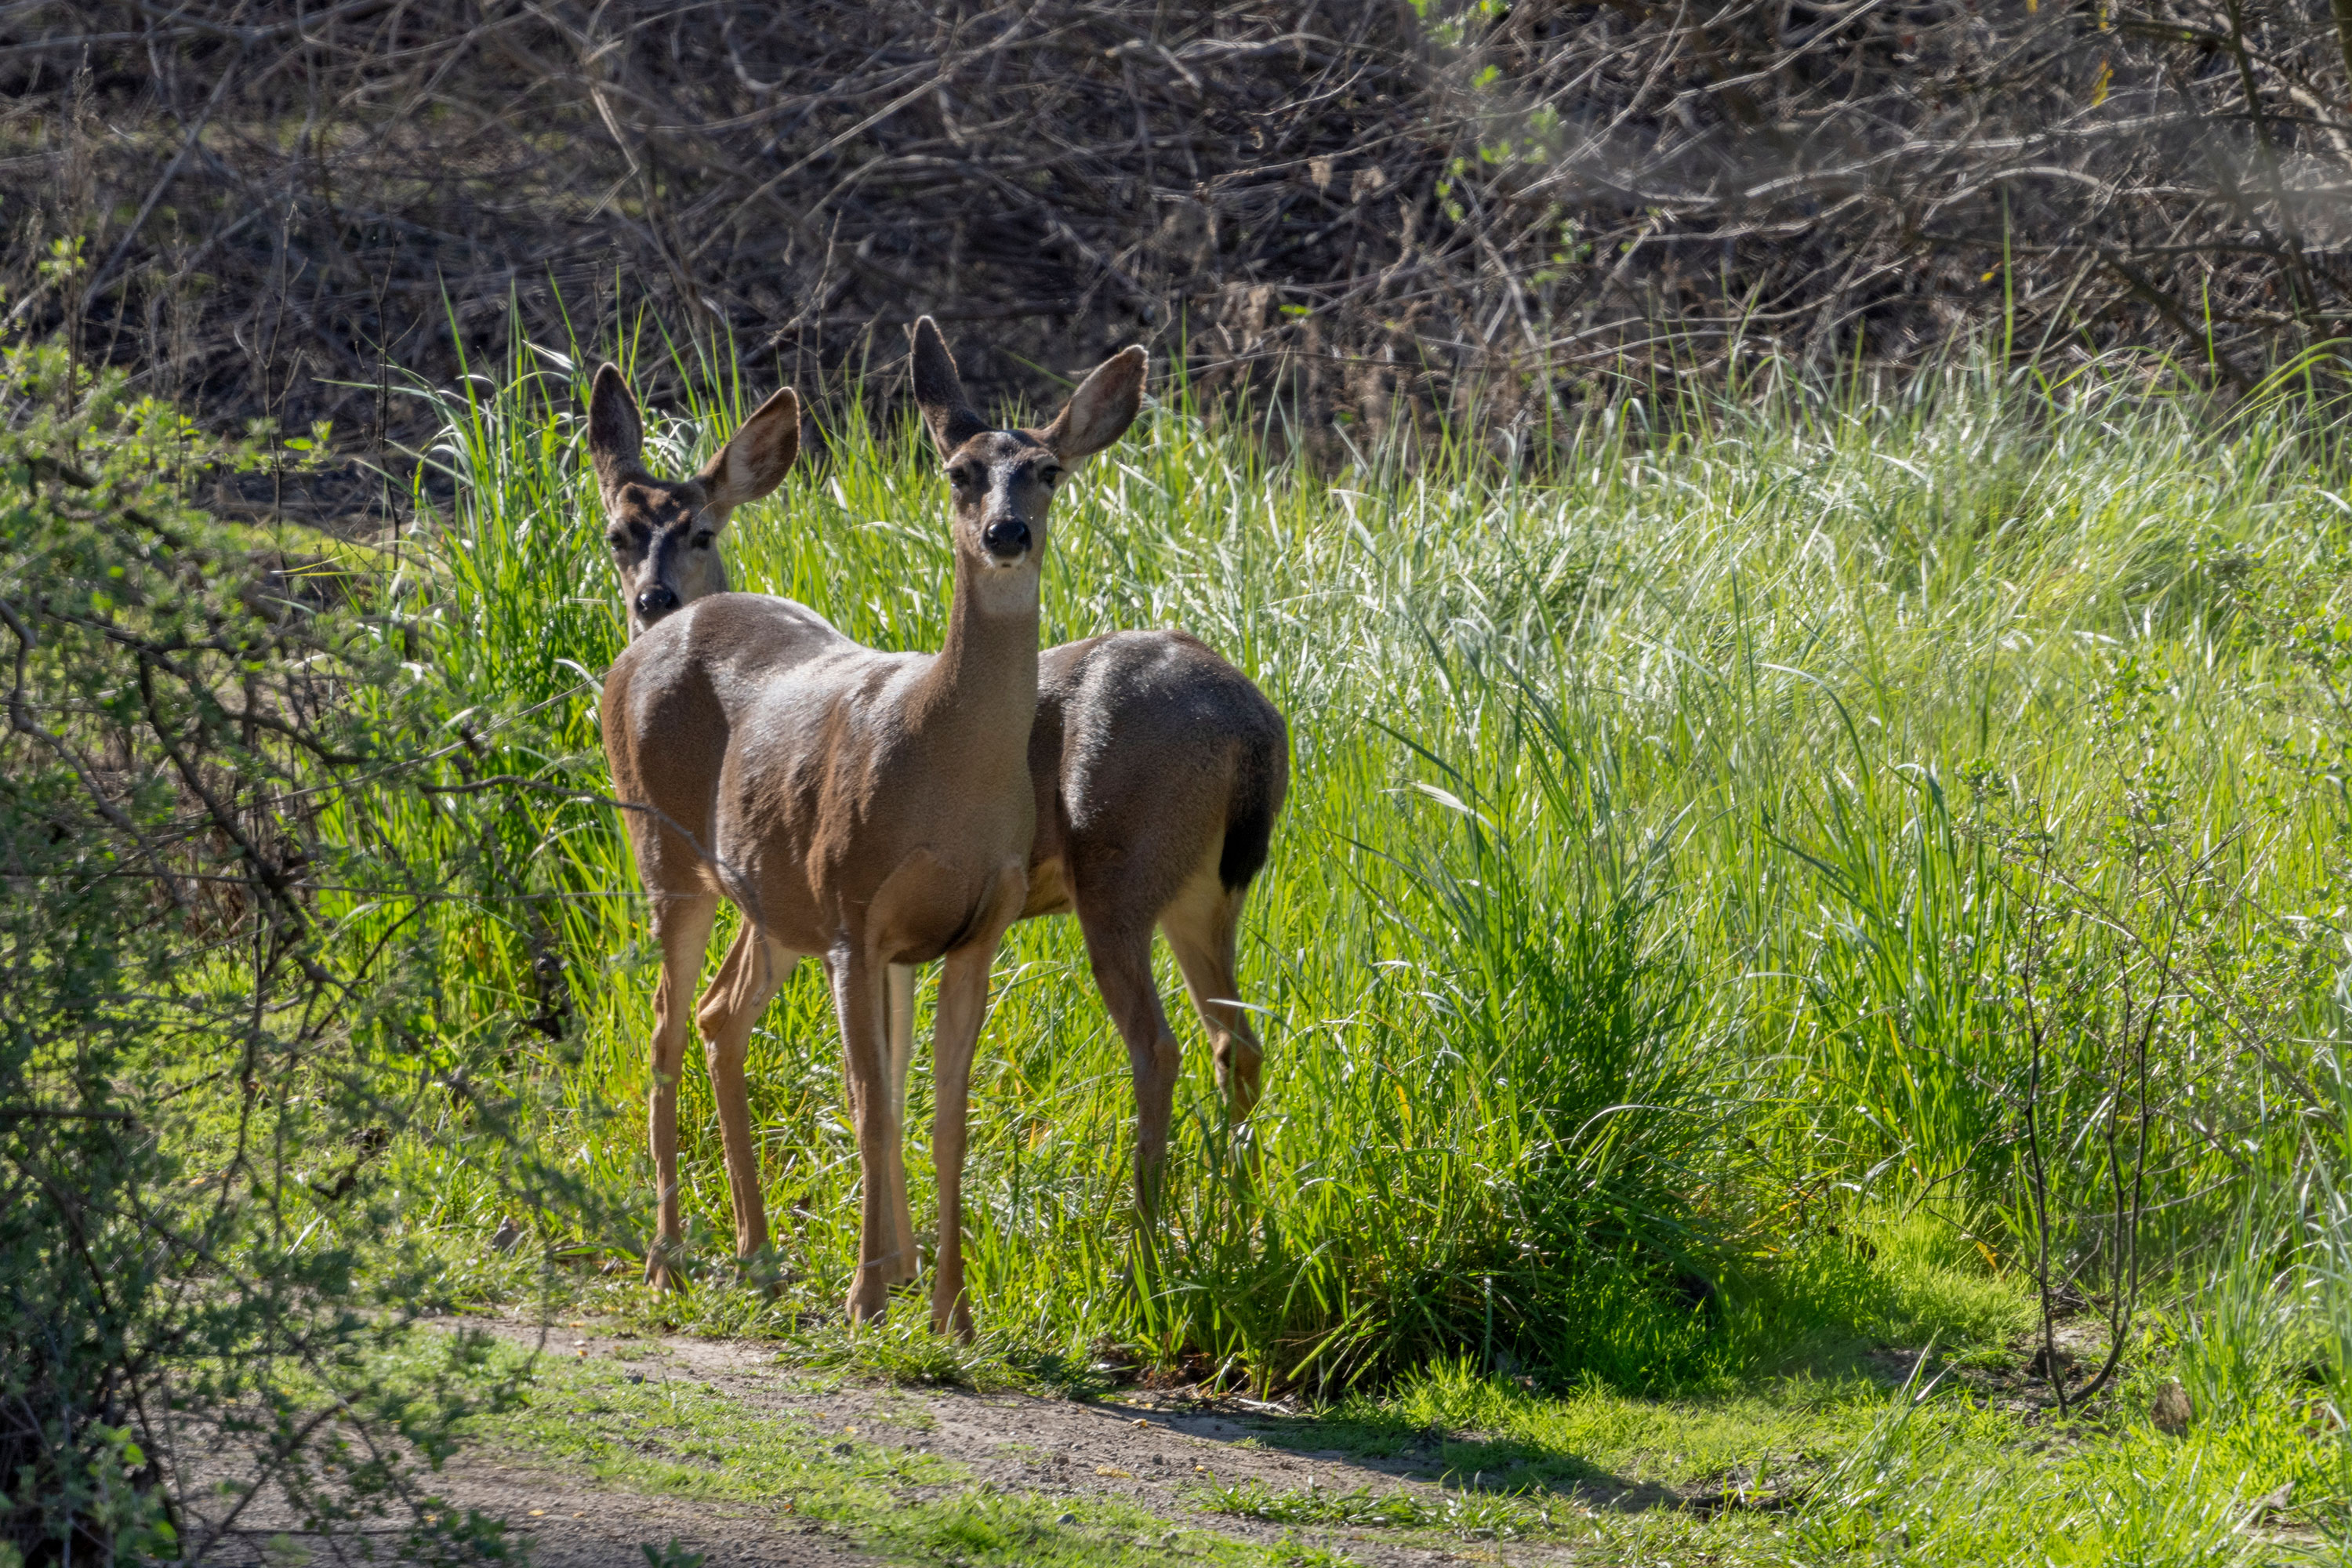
(1201, 926)
(859, 987)
(755, 969)
(902, 1059)
(963, 1005)
(1120, 951)
(682, 925)
(902, 1254)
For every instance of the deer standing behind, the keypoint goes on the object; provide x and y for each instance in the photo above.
(869, 808)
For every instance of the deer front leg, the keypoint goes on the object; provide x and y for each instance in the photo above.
(902, 1252)
(749, 979)
(902, 1059)
(964, 1006)
(682, 925)
(858, 987)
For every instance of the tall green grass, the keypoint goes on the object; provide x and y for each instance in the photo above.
(1644, 921)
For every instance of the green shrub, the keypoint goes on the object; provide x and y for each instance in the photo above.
(220, 1006)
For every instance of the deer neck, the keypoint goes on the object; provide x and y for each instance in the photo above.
(983, 687)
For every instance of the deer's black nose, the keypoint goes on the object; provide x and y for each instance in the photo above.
(656, 601)
(1005, 537)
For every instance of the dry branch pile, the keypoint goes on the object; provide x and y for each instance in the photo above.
(1365, 206)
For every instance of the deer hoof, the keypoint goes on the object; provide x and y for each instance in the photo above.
(956, 1321)
(868, 1298)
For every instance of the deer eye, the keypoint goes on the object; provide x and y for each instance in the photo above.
(964, 475)
(704, 540)
(617, 538)
(1049, 477)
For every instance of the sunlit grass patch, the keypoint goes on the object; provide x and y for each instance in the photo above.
(1453, 1419)
(1910, 1283)
(1474, 1516)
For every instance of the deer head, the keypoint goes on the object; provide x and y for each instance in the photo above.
(1003, 482)
(664, 533)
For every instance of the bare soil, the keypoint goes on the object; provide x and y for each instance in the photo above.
(571, 1523)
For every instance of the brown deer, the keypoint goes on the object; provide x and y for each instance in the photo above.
(870, 808)
(1160, 770)
(1157, 772)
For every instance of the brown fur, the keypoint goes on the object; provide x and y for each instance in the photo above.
(1158, 770)
(872, 809)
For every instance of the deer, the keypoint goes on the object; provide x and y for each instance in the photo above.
(1160, 770)
(1157, 771)
(870, 808)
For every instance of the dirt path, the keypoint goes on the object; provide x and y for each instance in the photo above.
(1154, 1457)
(574, 1523)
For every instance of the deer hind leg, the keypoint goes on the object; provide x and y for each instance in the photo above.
(901, 986)
(1118, 947)
(754, 970)
(1202, 925)
(681, 923)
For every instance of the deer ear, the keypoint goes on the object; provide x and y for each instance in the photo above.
(757, 457)
(1104, 405)
(616, 435)
(939, 391)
